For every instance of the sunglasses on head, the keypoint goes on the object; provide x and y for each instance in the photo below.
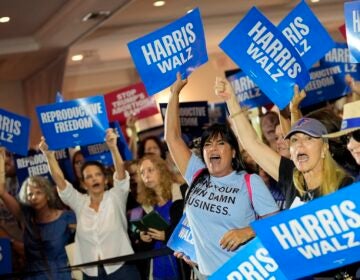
(355, 135)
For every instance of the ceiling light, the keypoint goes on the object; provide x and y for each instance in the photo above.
(77, 57)
(159, 3)
(4, 19)
(315, 1)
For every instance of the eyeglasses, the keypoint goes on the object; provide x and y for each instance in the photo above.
(355, 135)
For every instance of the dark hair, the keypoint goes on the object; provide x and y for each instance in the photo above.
(228, 136)
(78, 152)
(76, 182)
(161, 145)
(92, 163)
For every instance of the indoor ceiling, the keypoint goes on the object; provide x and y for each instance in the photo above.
(40, 29)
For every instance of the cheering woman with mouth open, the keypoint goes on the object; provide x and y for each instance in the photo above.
(222, 223)
(101, 231)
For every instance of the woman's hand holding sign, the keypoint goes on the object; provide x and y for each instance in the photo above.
(54, 167)
(180, 255)
(111, 139)
(178, 85)
(43, 146)
(294, 104)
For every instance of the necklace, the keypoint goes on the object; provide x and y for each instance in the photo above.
(309, 194)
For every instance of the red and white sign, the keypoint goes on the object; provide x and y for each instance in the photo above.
(130, 101)
(342, 30)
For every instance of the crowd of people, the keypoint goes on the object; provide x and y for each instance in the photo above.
(295, 160)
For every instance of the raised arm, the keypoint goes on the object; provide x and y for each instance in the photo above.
(179, 151)
(268, 159)
(10, 202)
(54, 168)
(295, 111)
(111, 139)
(133, 137)
(285, 123)
(354, 86)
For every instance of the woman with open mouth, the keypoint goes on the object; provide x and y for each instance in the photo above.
(310, 172)
(101, 231)
(219, 204)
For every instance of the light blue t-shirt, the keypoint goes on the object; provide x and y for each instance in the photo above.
(213, 208)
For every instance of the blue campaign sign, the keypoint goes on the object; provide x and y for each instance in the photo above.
(193, 117)
(181, 239)
(14, 132)
(266, 56)
(326, 83)
(177, 47)
(101, 153)
(306, 34)
(36, 165)
(71, 123)
(340, 55)
(252, 261)
(248, 94)
(320, 235)
(217, 113)
(97, 152)
(352, 23)
(5, 256)
(121, 142)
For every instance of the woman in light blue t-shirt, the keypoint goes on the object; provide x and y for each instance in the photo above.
(218, 204)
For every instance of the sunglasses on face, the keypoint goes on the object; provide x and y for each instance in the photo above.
(355, 135)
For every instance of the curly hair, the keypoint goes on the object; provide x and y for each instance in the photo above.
(148, 196)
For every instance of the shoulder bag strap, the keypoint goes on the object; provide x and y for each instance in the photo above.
(193, 183)
(248, 186)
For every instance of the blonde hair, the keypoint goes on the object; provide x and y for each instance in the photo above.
(332, 177)
(148, 196)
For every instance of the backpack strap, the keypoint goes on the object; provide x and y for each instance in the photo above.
(248, 186)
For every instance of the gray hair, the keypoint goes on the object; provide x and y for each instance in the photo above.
(42, 183)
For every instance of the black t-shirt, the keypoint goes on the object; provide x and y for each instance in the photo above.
(285, 183)
(288, 188)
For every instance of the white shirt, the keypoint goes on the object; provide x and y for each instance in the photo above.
(102, 234)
